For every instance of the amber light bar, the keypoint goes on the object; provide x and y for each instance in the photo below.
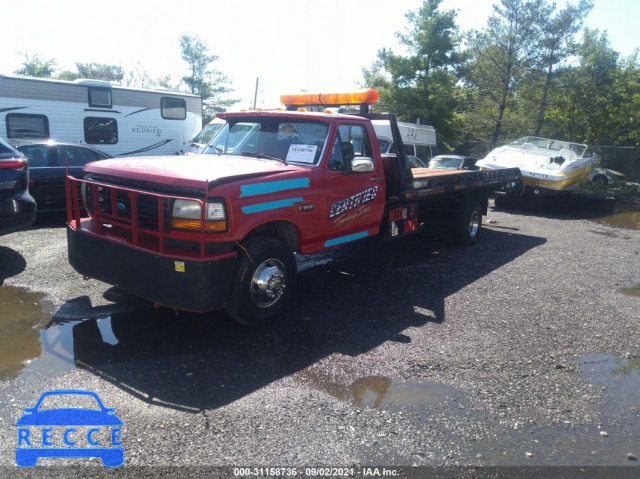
(331, 99)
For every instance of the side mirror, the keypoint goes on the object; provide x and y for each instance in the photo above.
(362, 165)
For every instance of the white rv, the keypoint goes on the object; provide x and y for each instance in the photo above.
(418, 140)
(117, 120)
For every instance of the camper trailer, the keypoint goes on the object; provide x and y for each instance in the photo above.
(418, 140)
(117, 120)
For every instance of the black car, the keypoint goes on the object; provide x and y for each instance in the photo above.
(454, 162)
(17, 207)
(48, 161)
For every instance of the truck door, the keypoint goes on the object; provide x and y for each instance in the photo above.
(353, 201)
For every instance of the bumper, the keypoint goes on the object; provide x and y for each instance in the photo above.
(188, 284)
(17, 213)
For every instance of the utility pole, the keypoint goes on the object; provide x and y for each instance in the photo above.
(255, 97)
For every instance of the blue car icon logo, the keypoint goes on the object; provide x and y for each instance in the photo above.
(69, 432)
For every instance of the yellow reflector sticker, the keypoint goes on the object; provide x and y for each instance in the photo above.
(179, 266)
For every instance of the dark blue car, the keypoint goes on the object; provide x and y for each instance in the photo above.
(72, 416)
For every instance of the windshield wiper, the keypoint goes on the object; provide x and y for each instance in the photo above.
(264, 156)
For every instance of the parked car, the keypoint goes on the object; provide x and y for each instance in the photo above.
(416, 162)
(454, 162)
(606, 177)
(48, 161)
(17, 206)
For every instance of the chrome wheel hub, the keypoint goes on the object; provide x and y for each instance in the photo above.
(268, 283)
(474, 224)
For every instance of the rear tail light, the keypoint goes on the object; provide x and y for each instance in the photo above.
(12, 164)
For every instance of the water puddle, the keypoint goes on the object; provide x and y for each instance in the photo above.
(382, 392)
(612, 441)
(22, 316)
(623, 219)
(30, 346)
(632, 291)
(36, 341)
(620, 378)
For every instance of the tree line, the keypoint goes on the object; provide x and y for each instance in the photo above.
(524, 73)
(203, 79)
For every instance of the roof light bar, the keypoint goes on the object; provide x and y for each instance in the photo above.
(331, 99)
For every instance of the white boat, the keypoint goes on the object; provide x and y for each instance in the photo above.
(548, 166)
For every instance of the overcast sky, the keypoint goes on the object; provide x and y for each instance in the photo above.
(291, 45)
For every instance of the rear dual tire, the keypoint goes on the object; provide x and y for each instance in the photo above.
(468, 223)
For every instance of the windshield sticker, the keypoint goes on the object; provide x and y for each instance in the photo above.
(302, 153)
(354, 201)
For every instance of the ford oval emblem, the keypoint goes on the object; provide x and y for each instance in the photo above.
(121, 206)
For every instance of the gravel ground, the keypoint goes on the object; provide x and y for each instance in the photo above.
(519, 352)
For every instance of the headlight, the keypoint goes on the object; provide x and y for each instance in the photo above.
(187, 214)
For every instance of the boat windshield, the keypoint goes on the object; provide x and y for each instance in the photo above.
(547, 146)
(289, 141)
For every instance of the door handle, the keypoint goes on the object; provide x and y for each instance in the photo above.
(376, 178)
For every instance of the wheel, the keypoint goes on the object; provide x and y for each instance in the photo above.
(263, 282)
(468, 223)
(600, 180)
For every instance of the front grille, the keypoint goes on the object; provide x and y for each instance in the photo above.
(138, 217)
(116, 205)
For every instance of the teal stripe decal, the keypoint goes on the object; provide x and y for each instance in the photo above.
(272, 187)
(271, 205)
(346, 239)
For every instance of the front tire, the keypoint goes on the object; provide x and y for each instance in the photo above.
(264, 280)
(468, 223)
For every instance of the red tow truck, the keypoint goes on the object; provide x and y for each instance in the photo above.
(220, 229)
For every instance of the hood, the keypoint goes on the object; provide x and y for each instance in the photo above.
(192, 171)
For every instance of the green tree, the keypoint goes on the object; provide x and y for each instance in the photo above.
(94, 71)
(34, 66)
(139, 77)
(587, 101)
(555, 44)
(627, 84)
(499, 56)
(204, 80)
(421, 86)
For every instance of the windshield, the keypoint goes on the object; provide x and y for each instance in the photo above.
(295, 141)
(449, 163)
(547, 146)
(207, 133)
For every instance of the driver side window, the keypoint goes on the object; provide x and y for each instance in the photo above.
(351, 141)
